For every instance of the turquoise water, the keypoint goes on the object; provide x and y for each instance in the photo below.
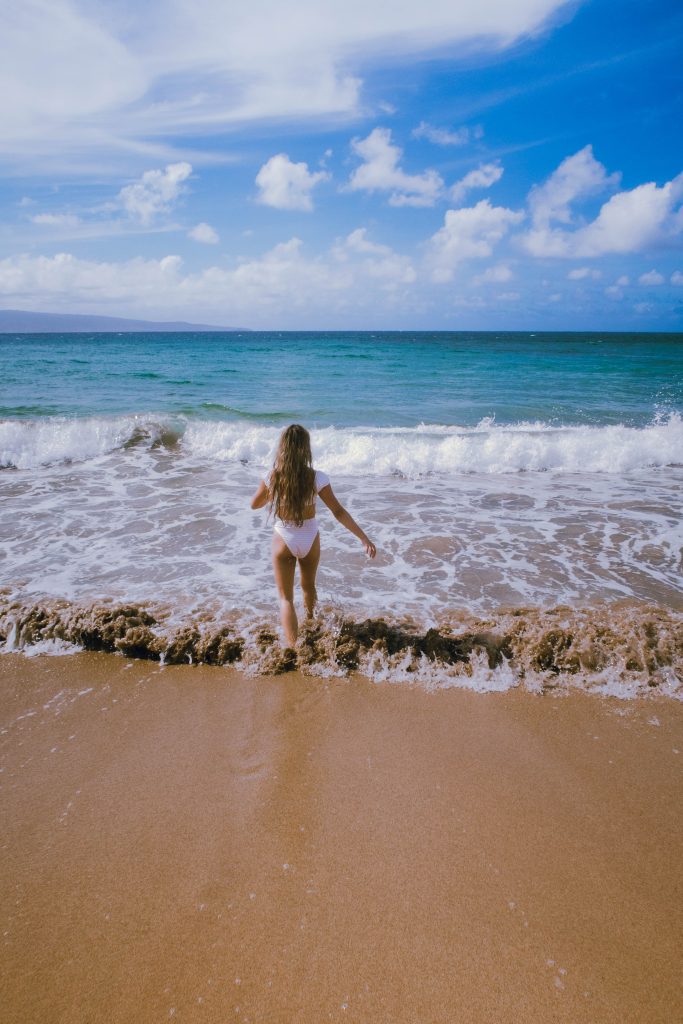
(529, 472)
(347, 379)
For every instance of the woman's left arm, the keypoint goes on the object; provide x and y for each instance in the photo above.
(261, 497)
(347, 520)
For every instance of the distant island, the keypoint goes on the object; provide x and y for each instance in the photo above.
(19, 321)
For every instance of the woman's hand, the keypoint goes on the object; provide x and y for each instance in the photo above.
(370, 549)
(343, 517)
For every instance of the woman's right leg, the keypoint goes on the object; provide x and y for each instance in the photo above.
(309, 567)
(284, 564)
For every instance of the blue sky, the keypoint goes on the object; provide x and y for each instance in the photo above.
(289, 166)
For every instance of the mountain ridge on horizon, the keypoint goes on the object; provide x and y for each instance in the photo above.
(19, 321)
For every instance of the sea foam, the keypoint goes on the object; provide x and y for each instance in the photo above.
(625, 651)
(412, 452)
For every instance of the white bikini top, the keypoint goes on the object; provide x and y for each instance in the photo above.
(321, 480)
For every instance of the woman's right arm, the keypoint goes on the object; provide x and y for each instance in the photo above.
(261, 497)
(347, 520)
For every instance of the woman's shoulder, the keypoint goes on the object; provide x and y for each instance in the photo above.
(321, 480)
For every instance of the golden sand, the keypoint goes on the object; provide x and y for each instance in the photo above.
(196, 845)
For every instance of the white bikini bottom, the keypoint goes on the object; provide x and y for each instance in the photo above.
(299, 539)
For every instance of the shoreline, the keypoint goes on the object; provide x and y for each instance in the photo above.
(196, 844)
(625, 649)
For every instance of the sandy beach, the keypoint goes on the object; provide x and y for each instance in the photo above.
(193, 844)
(341, 513)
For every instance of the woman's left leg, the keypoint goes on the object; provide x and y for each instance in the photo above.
(284, 564)
(309, 567)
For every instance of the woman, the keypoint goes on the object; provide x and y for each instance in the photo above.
(289, 490)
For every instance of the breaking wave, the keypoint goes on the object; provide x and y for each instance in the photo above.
(407, 451)
(624, 651)
(28, 444)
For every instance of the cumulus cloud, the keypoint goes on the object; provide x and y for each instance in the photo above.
(378, 261)
(380, 172)
(155, 192)
(467, 233)
(482, 176)
(498, 274)
(580, 273)
(651, 277)
(138, 208)
(349, 277)
(576, 177)
(204, 233)
(86, 77)
(677, 278)
(616, 290)
(629, 221)
(47, 277)
(446, 137)
(634, 220)
(286, 185)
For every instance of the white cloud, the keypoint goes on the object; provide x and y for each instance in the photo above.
(633, 221)
(61, 66)
(651, 277)
(481, 177)
(155, 193)
(677, 278)
(576, 177)
(380, 172)
(204, 233)
(498, 274)
(57, 220)
(445, 137)
(261, 290)
(470, 232)
(138, 208)
(43, 278)
(26, 201)
(378, 261)
(616, 290)
(476, 302)
(580, 273)
(286, 185)
(629, 221)
(508, 296)
(90, 78)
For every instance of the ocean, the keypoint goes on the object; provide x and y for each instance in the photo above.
(523, 490)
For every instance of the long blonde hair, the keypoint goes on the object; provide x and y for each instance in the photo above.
(292, 482)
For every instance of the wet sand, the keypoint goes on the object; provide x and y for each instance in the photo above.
(188, 843)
